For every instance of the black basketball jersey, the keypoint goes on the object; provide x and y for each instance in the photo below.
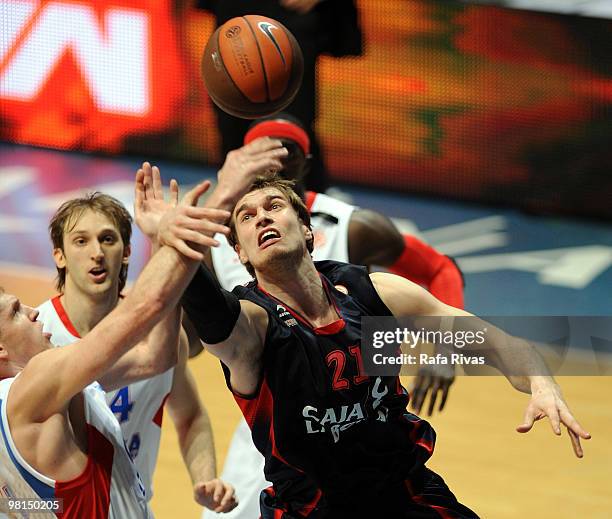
(324, 427)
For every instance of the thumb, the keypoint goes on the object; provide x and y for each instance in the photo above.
(192, 197)
(527, 423)
(200, 488)
(174, 192)
(202, 492)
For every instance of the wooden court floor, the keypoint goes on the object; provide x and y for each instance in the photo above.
(491, 468)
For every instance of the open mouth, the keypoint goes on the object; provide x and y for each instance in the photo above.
(268, 237)
(98, 274)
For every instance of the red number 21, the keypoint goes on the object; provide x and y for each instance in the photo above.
(338, 359)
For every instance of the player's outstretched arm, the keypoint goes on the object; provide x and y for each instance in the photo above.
(158, 351)
(374, 240)
(240, 168)
(508, 354)
(53, 377)
(196, 439)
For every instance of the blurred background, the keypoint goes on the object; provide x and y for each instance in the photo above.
(483, 127)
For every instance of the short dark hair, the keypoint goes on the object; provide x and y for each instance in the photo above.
(286, 188)
(67, 216)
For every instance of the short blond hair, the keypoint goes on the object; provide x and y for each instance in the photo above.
(69, 213)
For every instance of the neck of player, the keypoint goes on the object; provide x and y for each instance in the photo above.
(300, 287)
(86, 310)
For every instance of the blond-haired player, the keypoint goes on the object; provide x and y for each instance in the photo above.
(91, 240)
(58, 438)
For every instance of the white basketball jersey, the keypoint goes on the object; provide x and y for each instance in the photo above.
(109, 487)
(138, 407)
(330, 222)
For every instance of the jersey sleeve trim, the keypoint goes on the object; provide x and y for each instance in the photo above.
(63, 315)
(41, 484)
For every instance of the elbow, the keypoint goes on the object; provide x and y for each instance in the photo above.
(166, 357)
(161, 362)
(166, 361)
(157, 361)
(451, 265)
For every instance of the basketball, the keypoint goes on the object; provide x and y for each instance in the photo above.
(252, 66)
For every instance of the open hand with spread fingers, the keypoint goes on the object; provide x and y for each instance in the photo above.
(547, 400)
(189, 228)
(149, 201)
(183, 225)
(431, 381)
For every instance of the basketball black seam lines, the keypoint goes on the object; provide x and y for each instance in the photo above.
(229, 76)
(263, 65)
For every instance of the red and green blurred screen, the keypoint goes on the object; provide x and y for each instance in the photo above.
(458, 100)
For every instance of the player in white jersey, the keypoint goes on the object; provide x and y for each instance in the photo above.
(342, 232)
(138, 407)
(58, 438)
(91, 239)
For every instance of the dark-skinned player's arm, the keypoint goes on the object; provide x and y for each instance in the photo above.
(374, 240)
(53, 377)
(509, 354)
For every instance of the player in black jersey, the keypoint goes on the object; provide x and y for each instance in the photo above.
(290, 347)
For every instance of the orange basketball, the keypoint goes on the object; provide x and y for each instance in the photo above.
(252, 66)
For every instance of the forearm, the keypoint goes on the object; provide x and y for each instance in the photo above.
(197, 447)
(518, 360)
(161, 283)
(162, 342)
(151, 310)
(222, 198)
(71, 368)
(153, 299)
(195, 346)
(212, 310)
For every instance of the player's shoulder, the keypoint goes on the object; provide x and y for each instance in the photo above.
(256, 313)
(40, 365)
(49, 315)
(385, 281)
(46, 308)
(322, 202)
(339, 272)
(355, 281)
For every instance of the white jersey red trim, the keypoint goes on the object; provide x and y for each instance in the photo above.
(108, 488)
(138, 407)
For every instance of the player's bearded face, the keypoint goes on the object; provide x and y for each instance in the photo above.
(268, 229)
(93, 254)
